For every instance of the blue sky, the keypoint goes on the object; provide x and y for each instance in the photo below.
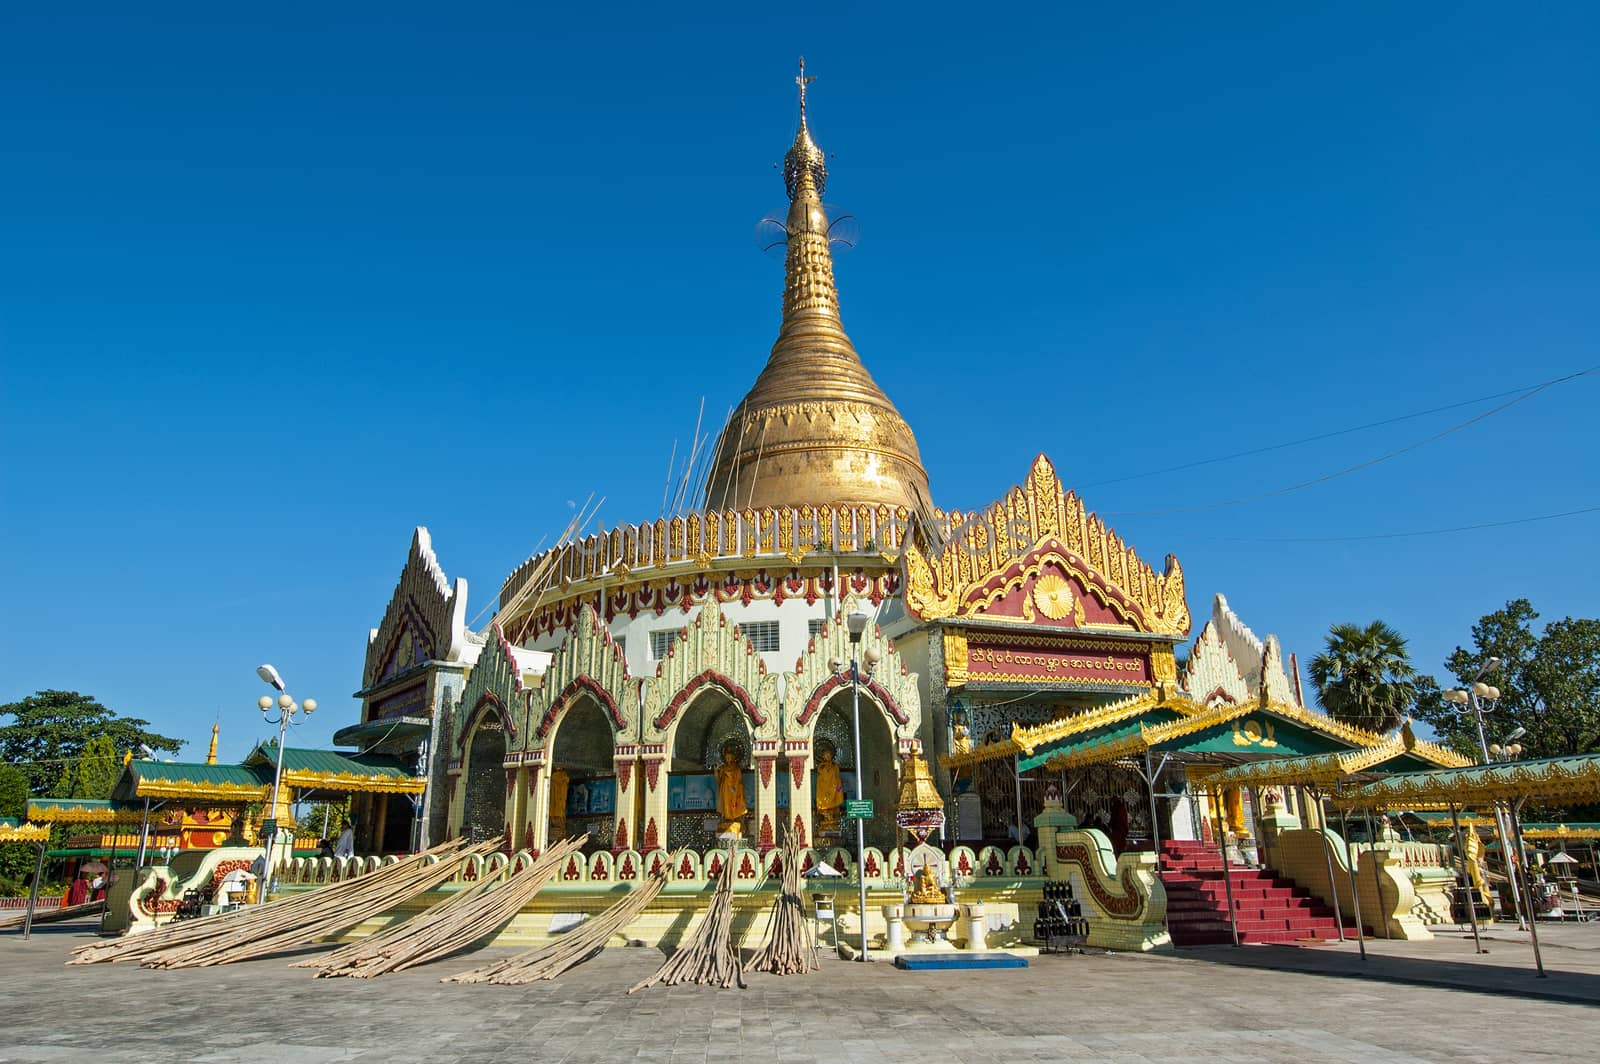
(278, 284)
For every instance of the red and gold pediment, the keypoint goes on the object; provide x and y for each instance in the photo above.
(1037, 557)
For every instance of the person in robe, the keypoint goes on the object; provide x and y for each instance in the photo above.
(730, 791)
(829, 791)
(346, 846)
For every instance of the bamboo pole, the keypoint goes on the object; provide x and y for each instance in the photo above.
(289, 931)
(572, 948)
(789, 949)
(242, 921)
(709, 957)
(453, 924)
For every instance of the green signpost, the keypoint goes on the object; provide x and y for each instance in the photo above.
(858, 808)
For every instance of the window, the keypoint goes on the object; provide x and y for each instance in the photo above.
(661, 641)
(814, 626)
(763, 635)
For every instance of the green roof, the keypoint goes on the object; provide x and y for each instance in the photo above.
(84, 811)
(329, 762)
(1575, 778)
(382, 728)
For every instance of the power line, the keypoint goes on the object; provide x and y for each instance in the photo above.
(1197, 463)
(1404, 535)
(1368, 464)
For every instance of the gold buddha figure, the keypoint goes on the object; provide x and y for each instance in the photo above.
(829, 792)
(731, 803)
(559, 783)
(925, 889)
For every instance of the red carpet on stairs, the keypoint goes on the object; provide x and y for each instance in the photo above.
(1269, 908)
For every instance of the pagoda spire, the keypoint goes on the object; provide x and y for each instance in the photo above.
(211, 755)
(815, 427)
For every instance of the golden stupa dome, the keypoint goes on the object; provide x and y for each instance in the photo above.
(815, 428)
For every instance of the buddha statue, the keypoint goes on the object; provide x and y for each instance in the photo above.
(731, 802)
(925, 889)
(829, 792)
(559, 783)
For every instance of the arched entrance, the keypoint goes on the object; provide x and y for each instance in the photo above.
(583, 781)
(712, 725)
(484, 809)
(881, 781)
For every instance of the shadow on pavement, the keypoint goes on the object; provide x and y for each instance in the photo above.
(1511, 977)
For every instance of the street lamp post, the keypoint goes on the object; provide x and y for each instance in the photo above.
(1475, 697)
(287, 710)
(857, 624)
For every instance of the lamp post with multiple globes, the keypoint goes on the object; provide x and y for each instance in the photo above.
(1481, 698)
(287, 712)
(857, 624)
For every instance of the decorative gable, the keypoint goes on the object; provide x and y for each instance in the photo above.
(425, 621)
(1229, 664)
(712, 652)
(494, 691)
(814, 680)
(1038, 552)
(589, 663)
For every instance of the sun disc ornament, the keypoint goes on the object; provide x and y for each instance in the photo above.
(1054, 597)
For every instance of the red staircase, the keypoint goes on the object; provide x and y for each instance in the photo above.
(1269, 908)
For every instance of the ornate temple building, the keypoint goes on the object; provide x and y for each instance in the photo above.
(663, 686)
(622, 669)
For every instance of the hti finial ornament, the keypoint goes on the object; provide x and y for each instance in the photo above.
(803, 81)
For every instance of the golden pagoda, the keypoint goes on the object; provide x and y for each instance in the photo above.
(815, 428)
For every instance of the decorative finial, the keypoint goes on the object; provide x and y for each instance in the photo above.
(803, 81)
(211, 755)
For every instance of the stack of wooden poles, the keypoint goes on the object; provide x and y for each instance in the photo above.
(572, 949)
(286, 923)
(472, 914)
(709, 957)
(789, 949)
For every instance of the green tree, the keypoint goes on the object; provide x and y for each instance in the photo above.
(1565, 675)
(1549, 684)
(97, 769)
(1365, 677)
(13, 792)
(49, 729)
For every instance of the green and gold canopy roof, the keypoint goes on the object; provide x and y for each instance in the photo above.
(1229, 734)
(1574, 779)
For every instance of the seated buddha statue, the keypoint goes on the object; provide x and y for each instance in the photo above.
(925, 889)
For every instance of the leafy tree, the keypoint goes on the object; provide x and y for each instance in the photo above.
(13, 792)
(1565, 675)
(97, 769)
(49, 730)
(1549, 684)
(1365, 676)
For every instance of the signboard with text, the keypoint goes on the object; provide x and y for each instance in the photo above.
(1003, 658)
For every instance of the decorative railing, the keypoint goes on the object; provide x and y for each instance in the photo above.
(695, 540)
(987, 864)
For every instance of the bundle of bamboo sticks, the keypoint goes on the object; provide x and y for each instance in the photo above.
(454, 924)
(709, 957)
(285, 922)
(572, 949)
(789, 949)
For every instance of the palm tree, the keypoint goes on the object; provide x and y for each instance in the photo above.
(1365, 676)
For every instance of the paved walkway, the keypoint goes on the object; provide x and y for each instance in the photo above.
(1196, 1006)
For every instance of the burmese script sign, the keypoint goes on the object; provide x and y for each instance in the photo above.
(995, 658)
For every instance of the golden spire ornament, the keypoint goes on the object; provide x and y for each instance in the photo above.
(815, 428)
